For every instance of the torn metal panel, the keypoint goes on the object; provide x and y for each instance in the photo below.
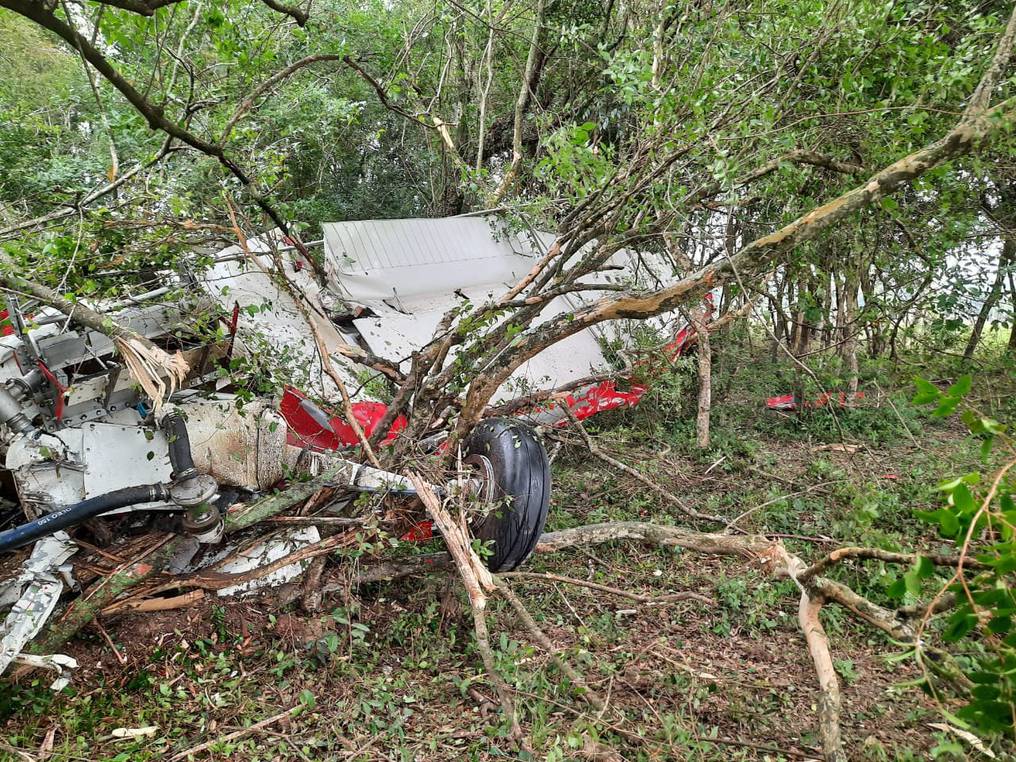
(411, 272)
(271, 320)
(382, 263)
(34, 594)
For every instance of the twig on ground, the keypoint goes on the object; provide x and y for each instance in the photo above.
(635, 474)
(649, 599)
(109, 641)
(733, 522)
(585, 690)
(242, 733)
(479, 584)
(155, 604)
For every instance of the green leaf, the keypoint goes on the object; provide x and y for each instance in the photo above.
(1000, 624)
(960, 623)
(912, 582)
(962, 499)
(897, 589)
(924, 568)
(960, 389)
(948, 524)
(927, 392)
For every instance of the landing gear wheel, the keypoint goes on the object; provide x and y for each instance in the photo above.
(516, 472)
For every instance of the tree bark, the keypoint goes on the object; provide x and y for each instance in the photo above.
(705, 376)
(829, 687)
(848, 349)
(1012, 318)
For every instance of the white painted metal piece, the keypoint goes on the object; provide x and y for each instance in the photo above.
(33, 594)
(265, 553)
(278, 321)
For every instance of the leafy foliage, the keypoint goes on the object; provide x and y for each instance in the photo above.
(978, 508)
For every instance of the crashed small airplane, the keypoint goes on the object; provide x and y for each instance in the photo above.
(80, 440)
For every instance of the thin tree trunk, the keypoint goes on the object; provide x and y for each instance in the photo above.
(849, 333)
(1006, 255)
(1012, 319)
(705, 375)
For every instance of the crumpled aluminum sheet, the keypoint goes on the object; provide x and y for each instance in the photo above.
(34, 594)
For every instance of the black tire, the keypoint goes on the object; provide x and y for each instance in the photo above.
(519, 469)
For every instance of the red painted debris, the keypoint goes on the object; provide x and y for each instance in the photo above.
(788, 402)
(59, 388)
(305, 431)
(419, 532)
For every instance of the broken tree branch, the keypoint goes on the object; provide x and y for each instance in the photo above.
(248, 103)
(877, 554)
(242, 733)
(1003, 52)
(829, 695)
(479, 584)
(299, 299)
(105, 190)
(43, 15)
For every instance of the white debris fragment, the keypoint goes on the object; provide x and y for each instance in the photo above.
(265, 553)
(55, 662)
(34, 594)
(127, 733)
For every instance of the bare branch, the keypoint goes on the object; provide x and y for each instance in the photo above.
(299, 16)
(383, 95)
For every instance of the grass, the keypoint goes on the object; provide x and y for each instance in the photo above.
(393, 673)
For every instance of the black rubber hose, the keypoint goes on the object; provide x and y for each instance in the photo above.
(79, 512)
(179, 445)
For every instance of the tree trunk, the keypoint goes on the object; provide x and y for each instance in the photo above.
(1012, 306)
(705, 397)
(848, 350)
(1006, 255)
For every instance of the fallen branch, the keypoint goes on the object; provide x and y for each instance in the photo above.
(877, 554)
(829, 696)
(43, 15)
(79, 206)
(242, 733)
(156, 604)
(479, 584)
(585, 690)
(326, 360)
(648, 599)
